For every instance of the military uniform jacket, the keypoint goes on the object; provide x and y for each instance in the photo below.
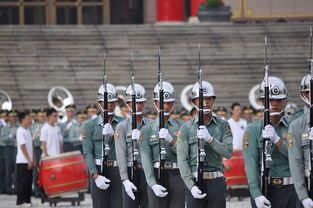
(221, 147)
(92, 141)
(75, 135)
(66, 128)
(299, 152)
(8, 134)
(150, 148)
(123, 144)
(35, 130)
(252, 151)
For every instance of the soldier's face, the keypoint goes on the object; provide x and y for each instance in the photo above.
(208, 102)
(140, 106)
(70, 113)
(277, 105)
(168, 106)
(111, 105)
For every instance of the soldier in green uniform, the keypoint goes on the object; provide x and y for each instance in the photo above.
(3, 118)
(91, 111)
(299, 137)
(67, 126)
(281, 191)
(76, 131)
(106, 191)
(8, 134)
(218, 140)
(135, 191)
(35, 128)
(172, 193)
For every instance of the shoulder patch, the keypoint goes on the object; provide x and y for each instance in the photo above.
(178, 136)
(117, 134)
(246, 140)
(289, 140)
(83, 135)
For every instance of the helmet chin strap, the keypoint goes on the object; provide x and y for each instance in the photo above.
(102, 110)
(165, 113)
(205, 111)
(305, 99)
(277, 113)
(138, 113)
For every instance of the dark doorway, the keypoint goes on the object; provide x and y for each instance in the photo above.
(126, 11)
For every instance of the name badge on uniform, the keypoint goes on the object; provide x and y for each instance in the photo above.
(153, 138)
(305, 137)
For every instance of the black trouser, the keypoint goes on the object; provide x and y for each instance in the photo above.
(9, 155)
(141, 196)
(78, 147)
(2, 170)
(67, 147)
(175, 188)
(110, 198)
(216, 195)
(24, 180)
(281, 197)
(37, 153)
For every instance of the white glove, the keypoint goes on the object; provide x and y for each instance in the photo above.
(107, 130)
(159, 190)
(311, 134)
(136, 135)
(307, 202)
(197, 193)
(129, 187)
(204, 134)
(165, 134)
(269, 132)
(102, 182)
(262, 202)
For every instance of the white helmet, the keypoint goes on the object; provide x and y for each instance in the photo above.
(112, 93)
(140, 93)
(277, 88)
(169, 92)
(208, 90)
(305, 87)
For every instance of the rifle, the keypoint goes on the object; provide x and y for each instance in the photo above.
(310, 177)
(201, 152)
(134, 122)
(161, 123)
(266, 156)
(105, 145)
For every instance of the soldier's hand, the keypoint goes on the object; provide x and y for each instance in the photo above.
(269, 132)
(136, 135)
(108, 130)
(307, 203)
(165, 134)
(262, 202)
(129, 187)
(197, 193)
(204, 134)
(311, 134)
(159, 190)
(102, 182)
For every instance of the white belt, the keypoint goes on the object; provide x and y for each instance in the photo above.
(130, 164)
(110, 163)
(167, 165)
(280, 181)
(209, 175)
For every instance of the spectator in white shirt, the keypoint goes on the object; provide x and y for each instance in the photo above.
(237, 125)
(24, 161)
(51, 137)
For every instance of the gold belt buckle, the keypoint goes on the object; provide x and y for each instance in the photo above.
(167, 165)
(277, 181)
(208, 175)
(109, 164)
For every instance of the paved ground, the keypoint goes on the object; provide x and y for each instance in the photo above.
(9, 202)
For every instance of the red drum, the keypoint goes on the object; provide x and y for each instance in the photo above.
(235, 171)
(63, 174)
